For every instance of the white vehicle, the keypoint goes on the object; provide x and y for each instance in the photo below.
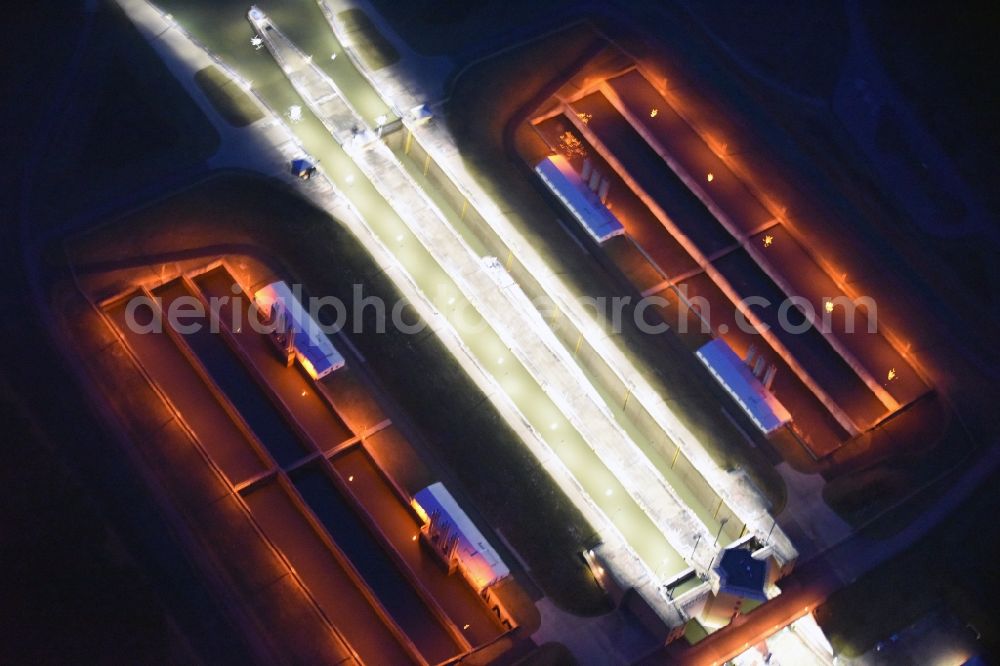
(741, 382)
(456, 539)
(584, 202)
(296, 331)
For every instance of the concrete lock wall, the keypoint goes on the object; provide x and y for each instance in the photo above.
(655, 443)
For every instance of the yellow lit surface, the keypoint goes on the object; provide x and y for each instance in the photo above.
(420, 511)
(307, 365)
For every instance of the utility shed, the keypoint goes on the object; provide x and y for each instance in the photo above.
(454, 537)
(311, 345)
(739, 381)
(742, 575)
(743, 580)
(560, 177)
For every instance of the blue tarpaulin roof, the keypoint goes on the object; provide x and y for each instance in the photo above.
(739, 381)
(557, 173)
(481, 562)
(312, 347)
(301, 165)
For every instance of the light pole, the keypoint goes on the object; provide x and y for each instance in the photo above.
(696, 542)
(722, 523)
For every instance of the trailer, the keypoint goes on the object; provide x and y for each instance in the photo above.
(743, 384)
(294, 331)
(455, 538)
(581, 200)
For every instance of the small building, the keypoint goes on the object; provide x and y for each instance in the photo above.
(742, 575)
(295, 332)
(584, 204)
(455, 538)
(743, 581)
(421, 114)
(740, 382)
(303, 168)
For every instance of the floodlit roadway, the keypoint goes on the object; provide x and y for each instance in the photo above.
(270, 83)
(644, 511)
(501, 303)
(505, 387)
(616, 373)
(602, 489)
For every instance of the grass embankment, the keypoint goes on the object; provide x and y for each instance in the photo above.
(549, 654)
(881, 470)
(127, 124)
(953, 566)
(70, 591)
(454, 27)
(72, 515)
(364, 37)
(229, 99)
(465, 435)
(936, 57)
(801, 46)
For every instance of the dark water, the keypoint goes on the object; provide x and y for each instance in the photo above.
(246, 395)
(396, 595)
(654, 176)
